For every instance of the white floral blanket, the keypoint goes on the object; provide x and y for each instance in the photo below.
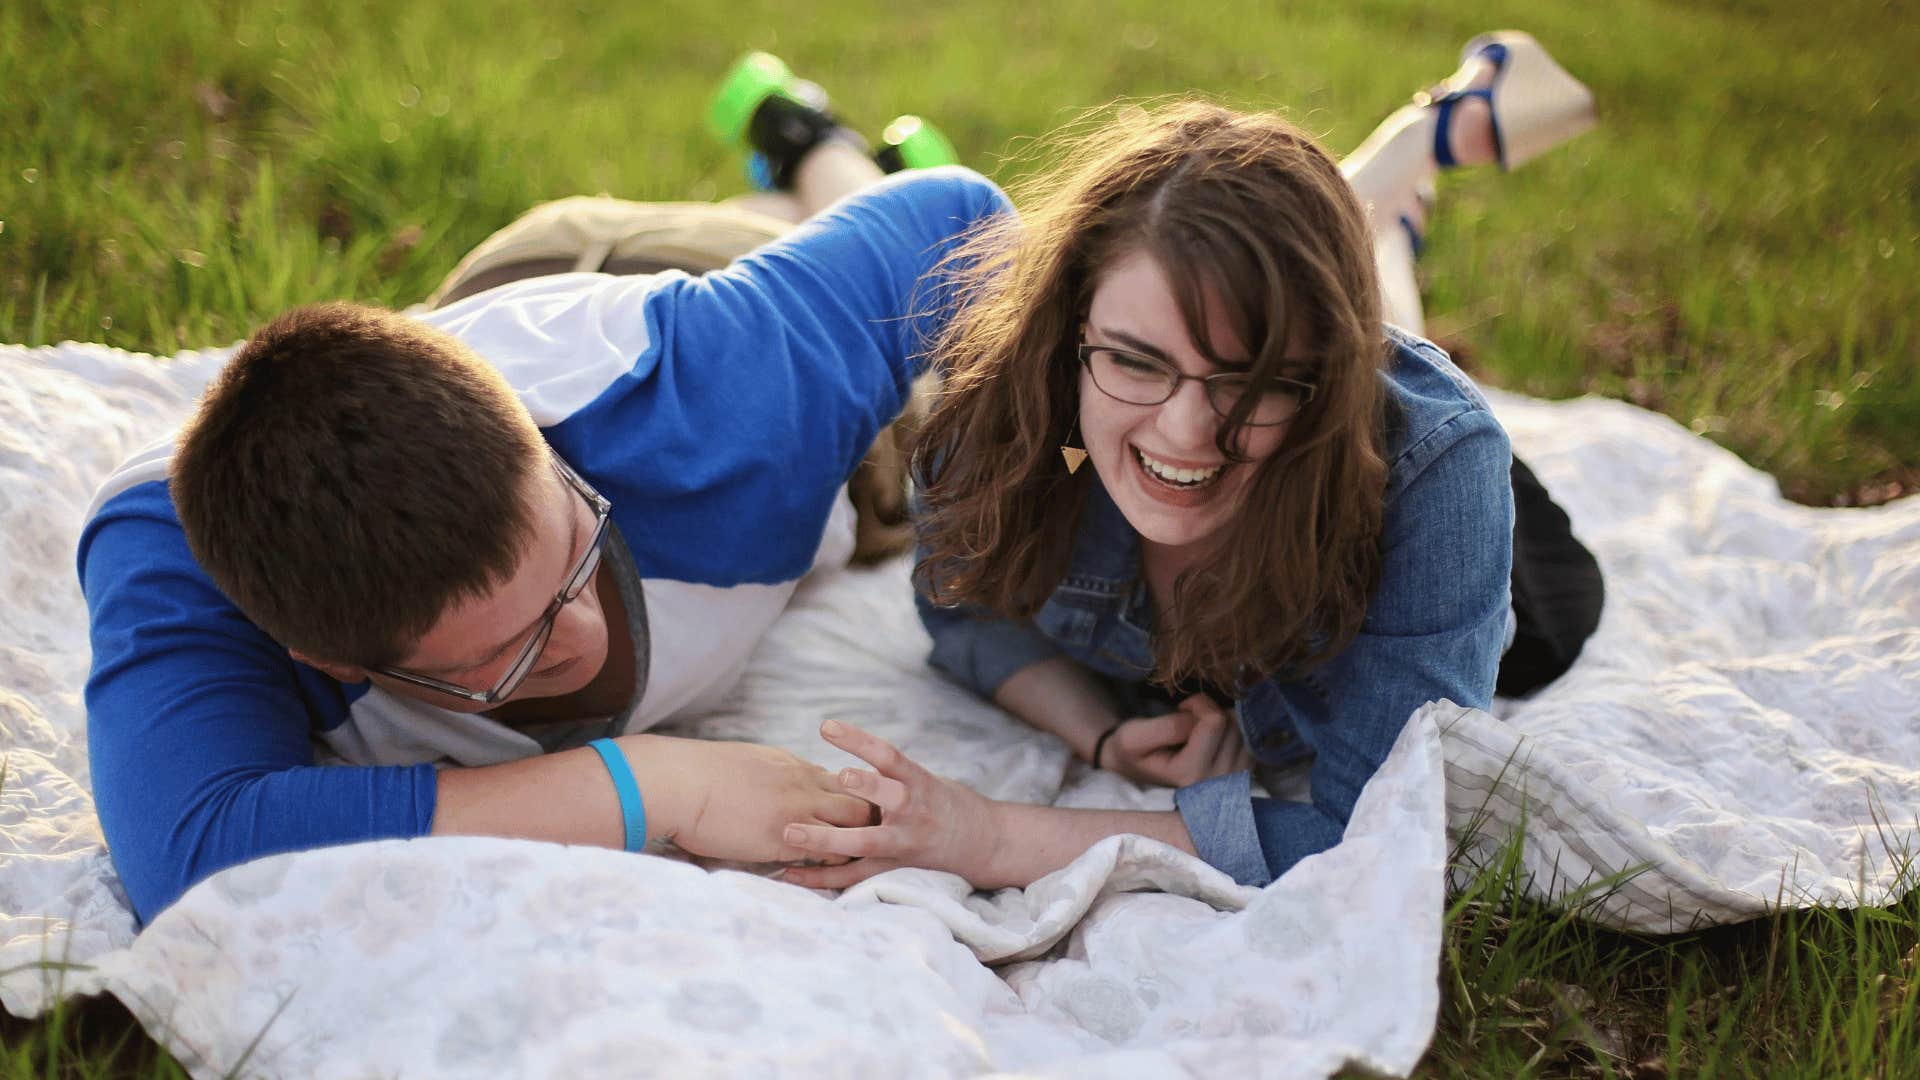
(1743, 731)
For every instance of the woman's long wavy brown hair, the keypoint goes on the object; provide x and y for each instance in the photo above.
(1240, 206)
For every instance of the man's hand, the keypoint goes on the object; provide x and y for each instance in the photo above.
(925, 821)
(1197, 740)
(739, 797)
(724, 800)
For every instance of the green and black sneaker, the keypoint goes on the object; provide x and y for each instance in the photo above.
(912, 143)
(776, 116)
(762, 107)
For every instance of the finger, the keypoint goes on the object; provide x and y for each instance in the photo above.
(1150, 733)
(835, 877)
(1227, 740)
(848, 809)
(882, 791)
(1214, 746)
(1155, 766)
(872, 749)
(1160, 759)
(1203, 743)
(801, 858)
(826, 840)
(1231, 755)
(1200, 704)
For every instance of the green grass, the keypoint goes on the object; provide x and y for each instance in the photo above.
(1736, 246)
(1533, 991)
(82, 1039)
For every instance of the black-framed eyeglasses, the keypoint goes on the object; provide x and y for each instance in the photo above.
(576, 584)
(1138, 379)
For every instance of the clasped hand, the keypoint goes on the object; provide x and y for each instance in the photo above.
(924, 820)
(864, 822)
(1197, 740)
(765, 788)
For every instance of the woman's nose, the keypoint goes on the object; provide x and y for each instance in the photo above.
(1187, 419)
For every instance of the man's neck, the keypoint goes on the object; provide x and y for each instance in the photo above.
(609, 691)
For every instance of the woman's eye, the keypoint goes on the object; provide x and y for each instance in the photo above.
(1230, 389)
(1134, 364)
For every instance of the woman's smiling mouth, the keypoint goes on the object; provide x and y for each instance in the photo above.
(1175, 477)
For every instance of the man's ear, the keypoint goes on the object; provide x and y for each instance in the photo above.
(346, 673)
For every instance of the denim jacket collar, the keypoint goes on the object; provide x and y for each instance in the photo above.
(1106, 550)
(1102, 603)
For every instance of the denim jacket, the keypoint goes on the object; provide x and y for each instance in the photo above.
(1435, 628)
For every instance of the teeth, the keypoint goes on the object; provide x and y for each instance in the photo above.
(1173, 475)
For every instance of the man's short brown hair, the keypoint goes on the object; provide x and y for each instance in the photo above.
(351, 474)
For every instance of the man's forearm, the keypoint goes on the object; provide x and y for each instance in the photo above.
(567, 797)
(1033, 841)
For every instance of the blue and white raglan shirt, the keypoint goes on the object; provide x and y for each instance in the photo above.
(720, 415)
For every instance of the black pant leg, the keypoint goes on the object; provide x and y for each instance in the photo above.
(1557, 590)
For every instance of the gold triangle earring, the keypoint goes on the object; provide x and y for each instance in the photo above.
(1075, 456)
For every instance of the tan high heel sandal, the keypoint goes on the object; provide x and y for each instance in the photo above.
(1536, 104)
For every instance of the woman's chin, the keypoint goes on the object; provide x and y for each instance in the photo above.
(1171, 518)
(1178, 536)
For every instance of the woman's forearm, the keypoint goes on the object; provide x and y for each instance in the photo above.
(941, 824)
(1034, 841)
(1061, 697)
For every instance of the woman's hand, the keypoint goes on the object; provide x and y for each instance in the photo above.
(746, 797)
(1197, 740)
(925, 821)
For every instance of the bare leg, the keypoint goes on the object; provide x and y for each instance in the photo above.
(829, 172)
(1399, 289)
(1389, 168)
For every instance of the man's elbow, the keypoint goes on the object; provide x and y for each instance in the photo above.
(158, 855)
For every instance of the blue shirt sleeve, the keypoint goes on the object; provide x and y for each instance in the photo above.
(768, 381)
(1435, 629)
(199, 725)
(980, 650)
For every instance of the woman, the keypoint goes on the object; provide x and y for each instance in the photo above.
(1297, 521)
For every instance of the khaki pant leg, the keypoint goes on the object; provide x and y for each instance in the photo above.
(600, 234)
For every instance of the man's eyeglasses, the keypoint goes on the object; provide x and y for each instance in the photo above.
(576, 583)
(1146, 380)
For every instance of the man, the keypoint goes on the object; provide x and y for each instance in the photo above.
(563, 508)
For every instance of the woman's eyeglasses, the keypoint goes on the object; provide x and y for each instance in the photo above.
(1138, 379)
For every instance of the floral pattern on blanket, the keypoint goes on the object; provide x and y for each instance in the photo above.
(465, 956)
(1753, 691)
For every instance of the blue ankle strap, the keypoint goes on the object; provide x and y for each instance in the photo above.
(1414, 239)
(1495, 54)
(1443, 123)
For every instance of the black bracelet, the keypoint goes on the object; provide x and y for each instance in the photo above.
(1100, 743)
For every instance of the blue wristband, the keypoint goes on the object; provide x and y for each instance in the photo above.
(633, 814)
